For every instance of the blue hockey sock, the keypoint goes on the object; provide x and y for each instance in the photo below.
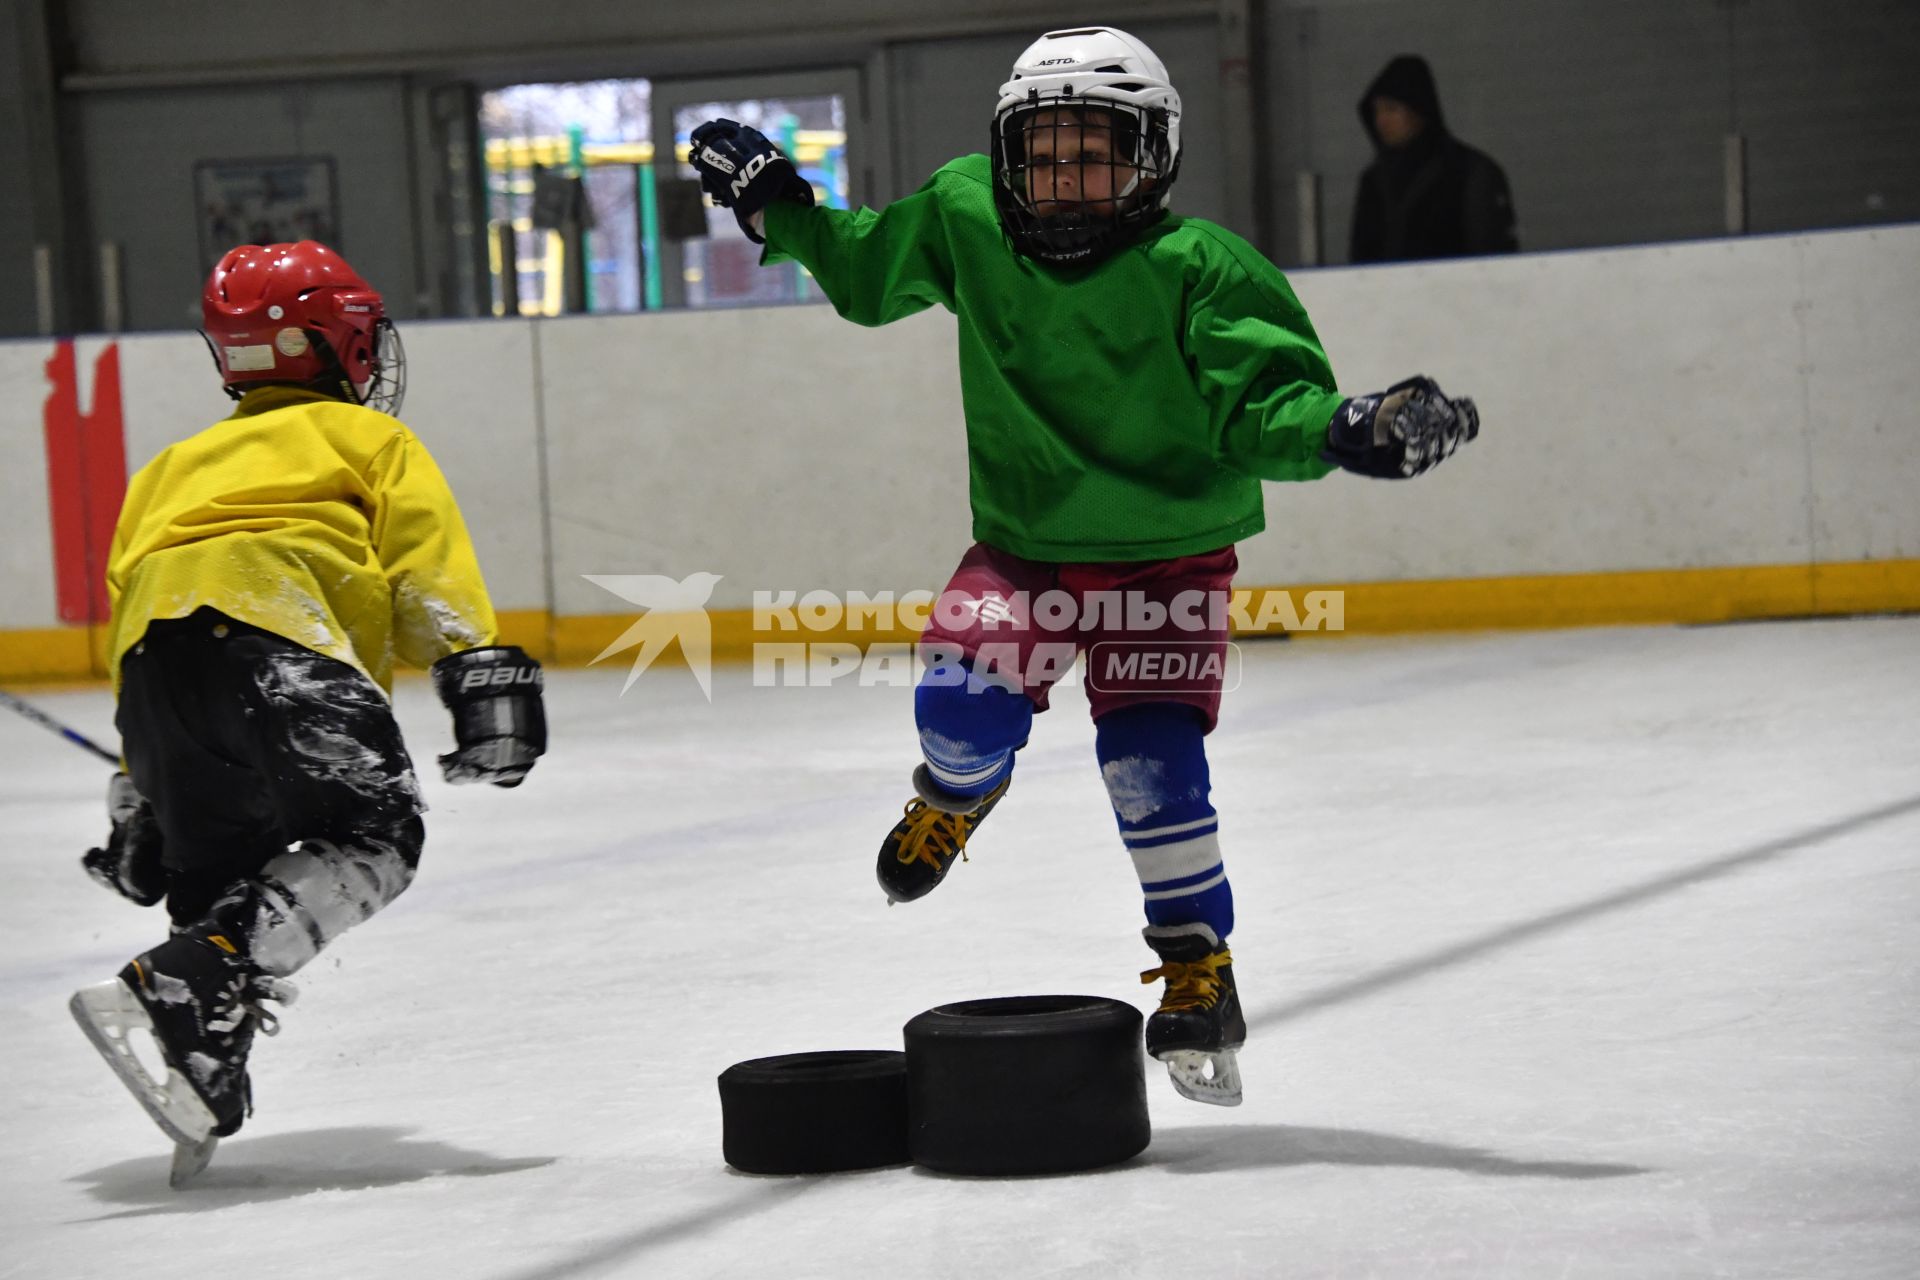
(969, 727)
(1154, 760)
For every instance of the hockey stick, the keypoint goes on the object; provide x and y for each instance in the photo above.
(46, 721)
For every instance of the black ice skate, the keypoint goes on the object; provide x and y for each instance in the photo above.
(1198, 1027)
(198, 997)
(922, 847)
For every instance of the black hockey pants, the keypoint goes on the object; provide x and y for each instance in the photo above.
(286, 802)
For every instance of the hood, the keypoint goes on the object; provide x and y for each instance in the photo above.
(1406, 79)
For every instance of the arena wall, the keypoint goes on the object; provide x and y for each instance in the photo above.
(1693, 432)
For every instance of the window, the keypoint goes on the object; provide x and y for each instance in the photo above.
(574, 192)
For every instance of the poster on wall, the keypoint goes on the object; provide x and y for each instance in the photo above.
(264, 202)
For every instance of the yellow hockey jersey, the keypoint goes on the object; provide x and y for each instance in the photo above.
(318, 520)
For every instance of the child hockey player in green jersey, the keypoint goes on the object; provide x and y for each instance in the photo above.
(264, 574)
(1129, 377)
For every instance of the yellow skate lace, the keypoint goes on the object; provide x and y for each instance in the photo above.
(933, 834)
(1191, 984)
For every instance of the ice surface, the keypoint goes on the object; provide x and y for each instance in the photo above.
(1571, 954)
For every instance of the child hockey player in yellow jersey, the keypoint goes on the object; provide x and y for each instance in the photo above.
(264, 575)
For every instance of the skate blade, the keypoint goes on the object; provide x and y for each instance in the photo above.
(1212, 1078)
(107, 1012)
(190, 1161)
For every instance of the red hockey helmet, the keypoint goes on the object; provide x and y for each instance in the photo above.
(297, 313)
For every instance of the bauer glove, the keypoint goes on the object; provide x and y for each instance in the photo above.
(499, 719)
(130, 864)
(744, 172)
(1408, 428)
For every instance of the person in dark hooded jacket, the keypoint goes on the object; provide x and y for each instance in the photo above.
(1427, 194)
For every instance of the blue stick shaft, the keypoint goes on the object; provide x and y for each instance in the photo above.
(46, 721)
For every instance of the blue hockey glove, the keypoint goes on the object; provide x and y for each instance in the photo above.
(499, 716)
(1409, 428)
(130, 864)
(743, 171)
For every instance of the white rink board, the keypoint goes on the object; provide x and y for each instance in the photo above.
(1863, 392)
(1641, 409)
(27, 591)
(170, 388)
(471, 399)
(1718, 403)
(780, 448)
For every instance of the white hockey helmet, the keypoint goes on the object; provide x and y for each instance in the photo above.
(1100, 69)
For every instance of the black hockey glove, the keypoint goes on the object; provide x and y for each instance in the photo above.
(499, 719)
(130, 864)
(1408, 428)
(744, 172)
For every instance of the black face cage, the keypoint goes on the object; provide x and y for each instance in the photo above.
(387, 380)
(1083, 146)
(388, 385)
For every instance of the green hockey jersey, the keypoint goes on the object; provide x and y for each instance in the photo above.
(1124, 412)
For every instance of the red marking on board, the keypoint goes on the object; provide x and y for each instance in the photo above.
(86, 479)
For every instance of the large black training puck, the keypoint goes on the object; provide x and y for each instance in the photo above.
(1026, 1084)
(815, 1112)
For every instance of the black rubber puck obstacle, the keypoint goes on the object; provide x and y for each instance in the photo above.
(815, 1112)
(1026, 1084)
